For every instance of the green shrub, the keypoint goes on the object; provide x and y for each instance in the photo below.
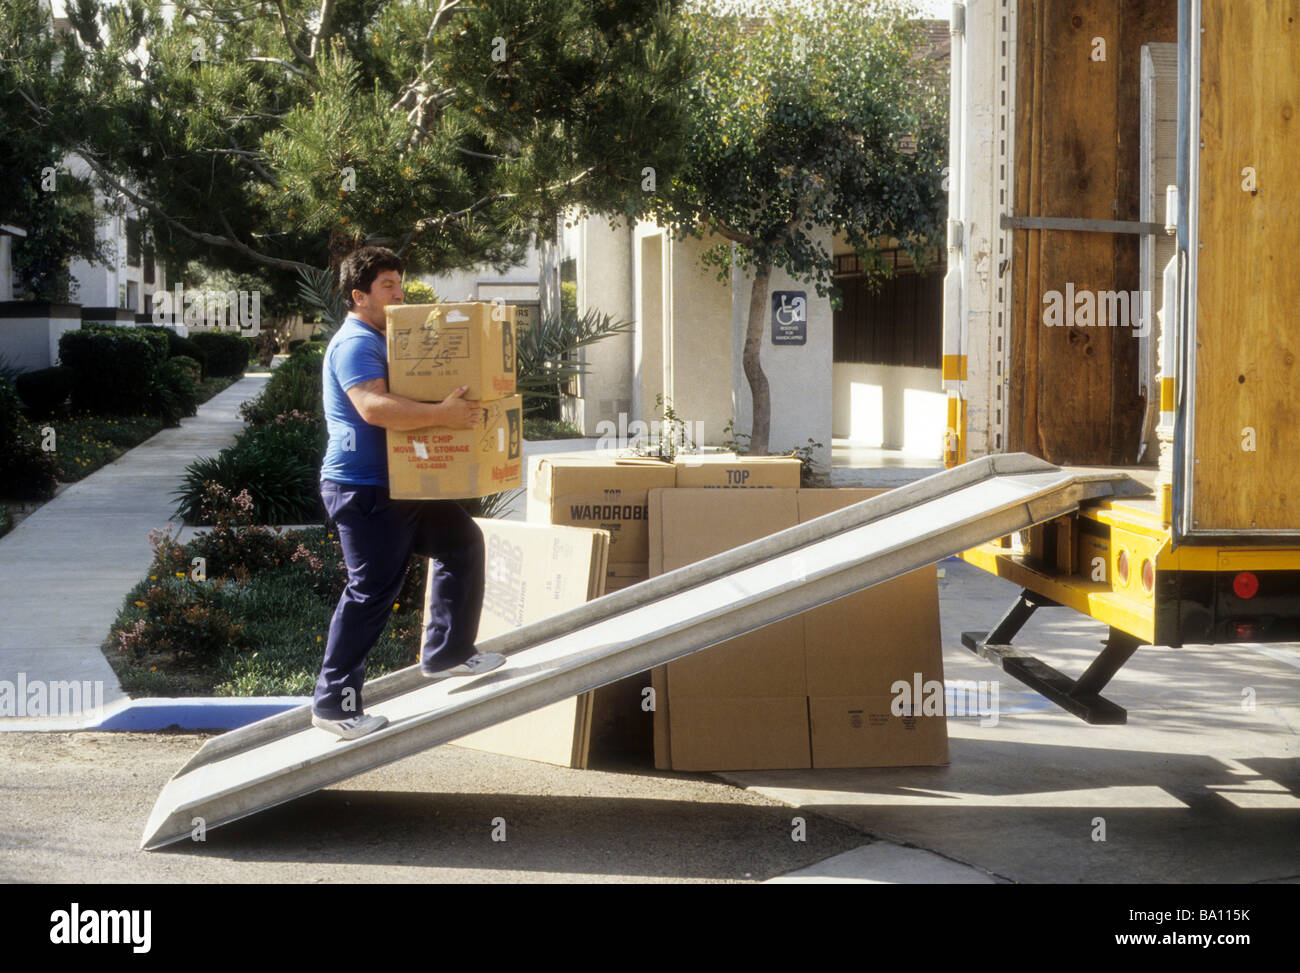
(45, 390)
(226, 353)
(277, 463)
(313, 350)
(173, 394)
(178, 346)
(10, 412)
(27, 472)
(192, 367)
(536, 429)
(113, 368)
(294, 386)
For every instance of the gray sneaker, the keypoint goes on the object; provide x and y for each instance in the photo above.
(352, 727)
(475, 665)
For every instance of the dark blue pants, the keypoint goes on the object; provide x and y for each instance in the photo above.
(378, 535)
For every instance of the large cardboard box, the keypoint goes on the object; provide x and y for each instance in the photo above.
(605, 494)
(534, 571)
(735, 705)
(844, 656)
(434, 349)
(740, 704)
(730, 470)
(439, 463)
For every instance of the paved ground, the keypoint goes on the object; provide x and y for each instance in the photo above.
(73, 805)
(66, 568)
(1194, 788)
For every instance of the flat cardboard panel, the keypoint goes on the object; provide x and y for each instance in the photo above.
(730, 470)
(439, 463)
(863, 642)
(1248, 288)
(751, 733)
(862, 731)
(598, 493)
(434, 349)
(532, 572)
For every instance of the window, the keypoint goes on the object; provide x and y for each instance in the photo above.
(569, 308)
(132, 243)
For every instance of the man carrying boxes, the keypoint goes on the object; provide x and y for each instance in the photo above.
(378, 533)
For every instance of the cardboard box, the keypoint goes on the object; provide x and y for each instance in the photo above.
(730, 470)
(606, 494)
(704, 733)
(434, 349)
(846, 730)
(438, 463)
(718, 709)
(619, 574)
(693, 525)
(863, 642)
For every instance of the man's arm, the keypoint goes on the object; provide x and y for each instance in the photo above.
(380, 407)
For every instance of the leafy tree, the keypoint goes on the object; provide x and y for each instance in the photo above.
(817, 114)
(283, 133)
(56, 210)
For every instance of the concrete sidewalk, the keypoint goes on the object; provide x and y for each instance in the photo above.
(66, 568)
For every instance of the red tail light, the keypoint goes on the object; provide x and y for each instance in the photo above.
(1243, 630)
(1245, 585)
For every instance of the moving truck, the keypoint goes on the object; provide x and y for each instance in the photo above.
(1123, 292)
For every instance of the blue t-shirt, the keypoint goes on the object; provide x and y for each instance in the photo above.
(357, 451)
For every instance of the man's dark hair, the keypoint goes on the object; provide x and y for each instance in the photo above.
(360, 268)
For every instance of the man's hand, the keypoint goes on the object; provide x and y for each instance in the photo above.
(380, 407)
(461, 413)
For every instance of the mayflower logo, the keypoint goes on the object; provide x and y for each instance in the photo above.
(205, 310)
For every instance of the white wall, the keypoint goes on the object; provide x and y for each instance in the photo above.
(605, 285)
(893, 407)
(33, 342)
(799, 376)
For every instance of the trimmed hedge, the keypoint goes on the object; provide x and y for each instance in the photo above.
(178, 346)
(113, 368)
(45, 390)
(226, 354)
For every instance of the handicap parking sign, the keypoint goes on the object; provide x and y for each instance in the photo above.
(789, 317)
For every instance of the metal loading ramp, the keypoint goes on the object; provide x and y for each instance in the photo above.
(664, 618)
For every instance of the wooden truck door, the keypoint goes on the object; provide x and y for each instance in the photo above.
(1237, 446)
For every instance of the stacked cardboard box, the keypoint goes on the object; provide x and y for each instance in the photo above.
(434, 349)
(812, 690)
(611, 494)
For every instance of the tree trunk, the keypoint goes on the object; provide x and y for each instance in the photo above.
(758, 389)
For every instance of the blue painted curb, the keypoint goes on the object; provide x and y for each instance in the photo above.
(152, 715)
